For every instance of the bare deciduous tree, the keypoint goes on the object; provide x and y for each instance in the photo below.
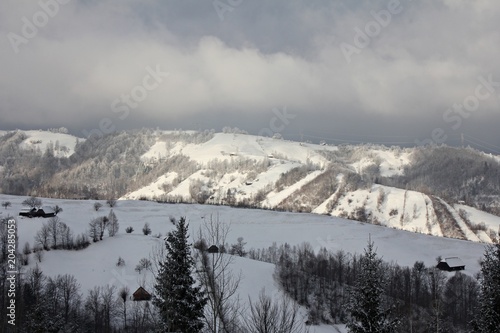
(144, 263)
(42, 237)
(268, 316)
(57, 209)
(38, 251)
(113, 224)
(215, 274)
(69, 290)
(53, 226)
(94, 230)
(239, 247)
(26, 248)
(123, 294)
(32, 202)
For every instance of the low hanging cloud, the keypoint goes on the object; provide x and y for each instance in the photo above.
(407, 62)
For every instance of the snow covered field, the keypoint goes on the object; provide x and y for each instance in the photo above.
(96, 265)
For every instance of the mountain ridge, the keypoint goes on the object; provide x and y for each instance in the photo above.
(431, 190)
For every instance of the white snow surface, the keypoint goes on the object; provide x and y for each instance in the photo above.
(226, 146)
(39, 140)
(478, 216)
(154, 189)
(96, 265)
(392, 207)
(391, 161)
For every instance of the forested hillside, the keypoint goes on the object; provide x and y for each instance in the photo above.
(436, 190)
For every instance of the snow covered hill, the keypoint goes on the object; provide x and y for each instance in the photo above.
(57, 141)
(96, 265)
(382, 205)
(425, 190)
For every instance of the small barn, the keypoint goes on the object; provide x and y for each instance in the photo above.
(213, 249)
(141, 295)
(28, 212)
(451, 264)
(46, 211)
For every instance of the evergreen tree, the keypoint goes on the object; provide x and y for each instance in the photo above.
(489, 299)
(179, 302)
(366, 301)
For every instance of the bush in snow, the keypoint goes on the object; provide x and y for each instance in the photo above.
(111, 202)
(238, 248)
(143, 264)
(120, 262)
(146, 230)
(26, 248)
(38, 251)
(97, 206)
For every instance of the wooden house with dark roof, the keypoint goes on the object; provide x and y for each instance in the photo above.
(451, 264)
(141, 295)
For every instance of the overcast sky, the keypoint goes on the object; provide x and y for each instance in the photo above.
(383, 71)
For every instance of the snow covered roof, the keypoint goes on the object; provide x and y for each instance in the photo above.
(48, 209)
(454, 262)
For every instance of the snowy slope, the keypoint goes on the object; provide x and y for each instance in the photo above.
(391, 162)
(241, 169)
(96, 265)
(260, 228)
(409, 210)
(478, 216)
(463, 226)
(227, 146)
(396, 208)
(273, 199)
(63, 145)
(391, 207)
(154, 189)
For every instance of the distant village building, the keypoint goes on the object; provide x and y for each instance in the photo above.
(451, 264)
(45, 211)
(213, 249)
(141, 295)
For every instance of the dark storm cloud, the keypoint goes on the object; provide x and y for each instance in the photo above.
(385, 71)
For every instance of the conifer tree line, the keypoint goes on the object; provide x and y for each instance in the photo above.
(191, 285)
